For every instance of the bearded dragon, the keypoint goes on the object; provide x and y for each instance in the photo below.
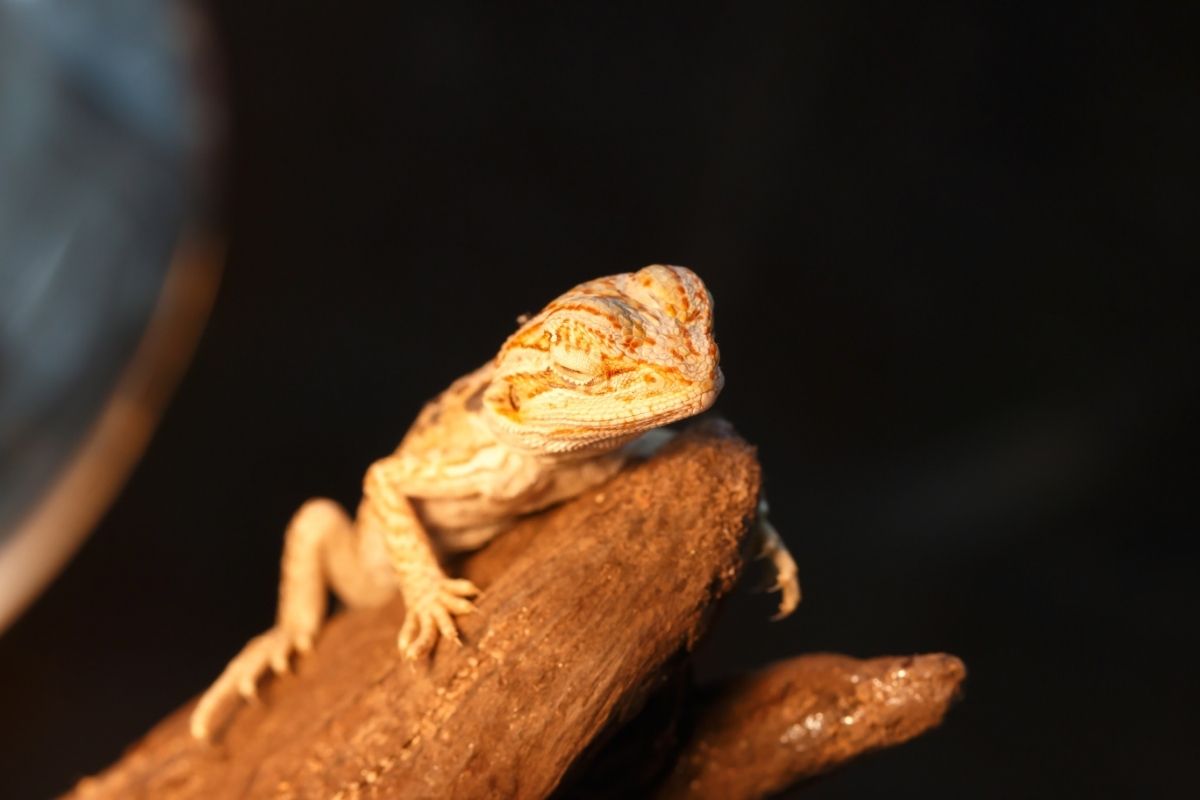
(560, 408)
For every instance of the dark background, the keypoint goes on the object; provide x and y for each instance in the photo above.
(947, 245)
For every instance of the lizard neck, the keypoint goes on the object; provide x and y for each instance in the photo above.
(593, 450)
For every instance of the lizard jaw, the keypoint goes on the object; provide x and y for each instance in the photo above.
(596, 426)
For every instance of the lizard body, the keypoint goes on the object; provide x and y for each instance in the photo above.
(461, 478)
(547, 418)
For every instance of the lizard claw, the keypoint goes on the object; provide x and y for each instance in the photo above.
(248, 687)
(789, 587)
(431, 614)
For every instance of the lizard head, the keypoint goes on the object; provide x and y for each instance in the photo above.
(607, 361)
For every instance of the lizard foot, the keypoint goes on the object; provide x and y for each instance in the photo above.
(786, 583)
(771, 547)
(271, 650)
(432, 612)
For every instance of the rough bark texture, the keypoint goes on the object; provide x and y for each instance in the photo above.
(807, 715)
(573, 677)
(583, 608)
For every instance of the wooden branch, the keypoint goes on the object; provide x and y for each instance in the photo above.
(584, 607)
(798, 718)
(588, 614)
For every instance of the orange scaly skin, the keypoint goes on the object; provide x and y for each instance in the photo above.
(550, 416)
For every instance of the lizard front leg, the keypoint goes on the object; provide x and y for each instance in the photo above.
(321, 549)
(431, 599)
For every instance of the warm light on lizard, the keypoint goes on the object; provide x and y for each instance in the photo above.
(549, 417)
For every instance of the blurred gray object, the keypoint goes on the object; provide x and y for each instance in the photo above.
(99, 130)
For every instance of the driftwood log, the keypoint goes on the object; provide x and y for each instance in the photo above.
(573, 676)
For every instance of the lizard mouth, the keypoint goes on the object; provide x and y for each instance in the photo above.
(575, 426)
(670, 407)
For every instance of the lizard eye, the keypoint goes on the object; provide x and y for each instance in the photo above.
(573, 365)
(572, 375)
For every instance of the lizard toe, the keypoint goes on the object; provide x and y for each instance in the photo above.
(424, 637)
(460, 587)
(457, 605)
(430, 616)
(445, 623)
(790, 597)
